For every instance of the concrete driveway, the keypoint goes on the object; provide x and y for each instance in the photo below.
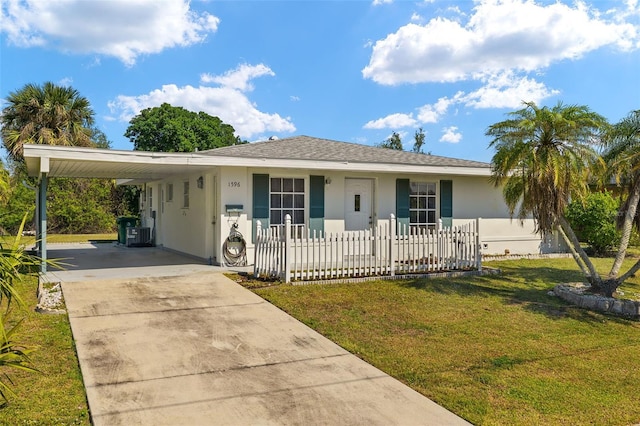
(195, 348)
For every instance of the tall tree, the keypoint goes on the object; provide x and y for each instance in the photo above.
(623, 159)
(418, 138)
(99, 138)
(5, 184)
(47, 114)
(174, 129)
(392, 142)
(544, 157)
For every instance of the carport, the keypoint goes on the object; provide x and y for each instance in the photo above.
(128, 167)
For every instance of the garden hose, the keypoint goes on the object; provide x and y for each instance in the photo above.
(234, 248)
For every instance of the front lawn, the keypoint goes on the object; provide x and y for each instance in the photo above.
(496, 350)
(61, 238)
(55, 396)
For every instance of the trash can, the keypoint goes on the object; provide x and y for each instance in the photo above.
(123, 223)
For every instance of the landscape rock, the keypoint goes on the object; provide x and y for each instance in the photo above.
(578, 294)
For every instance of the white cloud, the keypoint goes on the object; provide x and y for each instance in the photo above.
(500, 35)
(501, 48)
(431, 113)
(66, 81)
(393, 121)
(227, 101)
(240, 77)
(379, 2)
(124, 29)
(451, 135)
(507, 90)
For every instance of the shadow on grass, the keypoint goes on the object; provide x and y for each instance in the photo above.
(527, 287)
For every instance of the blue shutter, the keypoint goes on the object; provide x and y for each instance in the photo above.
(402, 202)
(446, 202)
(260, 202)
(316, 203)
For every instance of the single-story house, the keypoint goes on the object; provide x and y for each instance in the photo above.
(191, 202)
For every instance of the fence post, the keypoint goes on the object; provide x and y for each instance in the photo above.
(392, 242)
(256, 259)
(287, 249)
(478, 245)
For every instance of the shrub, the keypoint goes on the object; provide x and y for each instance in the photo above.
(594, 221)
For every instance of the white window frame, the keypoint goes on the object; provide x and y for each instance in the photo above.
(169, 192)
(423, 213)
(150, 198)
(287, 199)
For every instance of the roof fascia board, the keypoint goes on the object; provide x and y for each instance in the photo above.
(351, 166)
(67, 154)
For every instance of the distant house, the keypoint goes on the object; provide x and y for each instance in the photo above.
(191, 201)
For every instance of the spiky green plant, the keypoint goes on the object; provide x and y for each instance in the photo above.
(15, 262)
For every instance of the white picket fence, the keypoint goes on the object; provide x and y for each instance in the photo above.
(385, 250)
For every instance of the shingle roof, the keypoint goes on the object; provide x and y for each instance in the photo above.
(310, 148)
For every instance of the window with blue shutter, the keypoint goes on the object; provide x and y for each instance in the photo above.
(446, 202)
(402, 203)
(260, 202)
(316, 203)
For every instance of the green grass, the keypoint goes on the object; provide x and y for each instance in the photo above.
(496, 350)
(55, 396)
(63, 238)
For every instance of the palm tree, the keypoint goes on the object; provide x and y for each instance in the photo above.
(544, 157)
(47, 114)
(5, 184)
(623, 160)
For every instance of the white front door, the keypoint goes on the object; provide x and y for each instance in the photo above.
(358, 204)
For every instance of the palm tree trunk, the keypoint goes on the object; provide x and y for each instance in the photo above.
(634, 198)
(579, 255)
(626, 275)
(575, 254)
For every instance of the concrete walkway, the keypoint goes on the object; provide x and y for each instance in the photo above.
(189, 346)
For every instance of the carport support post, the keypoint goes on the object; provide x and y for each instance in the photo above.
(42, 221)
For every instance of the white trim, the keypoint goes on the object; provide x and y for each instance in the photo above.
(82, 162)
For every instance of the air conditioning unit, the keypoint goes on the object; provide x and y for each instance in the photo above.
(139, 237)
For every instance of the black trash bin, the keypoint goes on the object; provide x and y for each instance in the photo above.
(123, 223)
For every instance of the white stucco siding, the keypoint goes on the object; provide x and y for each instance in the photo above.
(202, 228)
(477, 197)
(185, 229)
(235, 188)
(499, 233)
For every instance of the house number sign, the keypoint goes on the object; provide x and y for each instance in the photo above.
(234, 184)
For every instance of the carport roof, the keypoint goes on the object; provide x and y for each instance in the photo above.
(300, 152)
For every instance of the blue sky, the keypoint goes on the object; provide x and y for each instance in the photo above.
(353, 71)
